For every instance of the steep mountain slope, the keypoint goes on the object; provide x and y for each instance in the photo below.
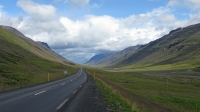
(24, 62)
(114, 57)
(180, 46)
(96, 58)
(34, 47)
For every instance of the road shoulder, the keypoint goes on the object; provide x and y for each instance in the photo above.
(89, 99)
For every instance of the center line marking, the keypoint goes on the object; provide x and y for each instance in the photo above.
(74, 92)
(61, 104)
(62, 83)
(40, 92)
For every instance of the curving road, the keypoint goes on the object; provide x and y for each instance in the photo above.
(48, 97)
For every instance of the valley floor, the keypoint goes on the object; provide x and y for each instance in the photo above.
(174, 90)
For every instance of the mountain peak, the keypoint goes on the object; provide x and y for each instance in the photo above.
(13, 31)
(44, 44)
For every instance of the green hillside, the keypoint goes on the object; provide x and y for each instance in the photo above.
(179, 47)
(23, 62)
(114, 57)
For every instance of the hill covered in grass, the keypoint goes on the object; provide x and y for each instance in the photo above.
(25, 62)
(114, 57)
(179, 47)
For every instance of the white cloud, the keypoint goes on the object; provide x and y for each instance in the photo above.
(1, 7)
(192, 4)
(78, 40)
(94, 5)
(36, 10)
(77, 3)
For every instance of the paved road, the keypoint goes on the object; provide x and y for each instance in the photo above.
(49, 97)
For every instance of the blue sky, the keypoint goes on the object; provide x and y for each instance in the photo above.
(79, 29)
(115, 8)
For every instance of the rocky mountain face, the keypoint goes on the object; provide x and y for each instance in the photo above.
(44, 44)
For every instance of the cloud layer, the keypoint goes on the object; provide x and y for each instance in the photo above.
(37, 11)
(192, 4)
(79, 40)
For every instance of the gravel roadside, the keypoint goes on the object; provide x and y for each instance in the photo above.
(89, 99)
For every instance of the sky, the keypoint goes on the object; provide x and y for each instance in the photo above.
(80, 29)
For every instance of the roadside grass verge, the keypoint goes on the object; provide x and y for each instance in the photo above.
(30, 72)
(113, 98)
(171, 90)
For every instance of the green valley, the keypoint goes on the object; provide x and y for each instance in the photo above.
(162, 76)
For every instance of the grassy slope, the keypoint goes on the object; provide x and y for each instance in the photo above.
(112, 58)
(180, 47)
(34, 47)
(19, 66)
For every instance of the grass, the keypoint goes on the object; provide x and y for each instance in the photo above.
(31, 72)
(20, 66)
(159, 67)
(113, 99)
(169, 90)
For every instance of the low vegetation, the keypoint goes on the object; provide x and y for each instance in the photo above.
(169, 90)
(20, 67)
(113, 99)
(30, 72)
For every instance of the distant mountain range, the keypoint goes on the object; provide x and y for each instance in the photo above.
(180, 46)
(111, 58)
(96, 58)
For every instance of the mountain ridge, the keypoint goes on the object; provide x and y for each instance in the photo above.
(97, 57)
(44, 44)
(35, 47)
(24, 62)
(180, 46)
(176, 47)
(113, 57)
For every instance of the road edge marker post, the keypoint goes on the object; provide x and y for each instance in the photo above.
(48, 77)
(94, 75)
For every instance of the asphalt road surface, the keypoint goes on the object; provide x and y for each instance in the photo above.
(48, 97)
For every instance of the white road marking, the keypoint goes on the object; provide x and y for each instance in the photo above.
(74, 92)
(61, 104)
(80, 86)
(71, 80)
(40, 92)
(63, 84)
